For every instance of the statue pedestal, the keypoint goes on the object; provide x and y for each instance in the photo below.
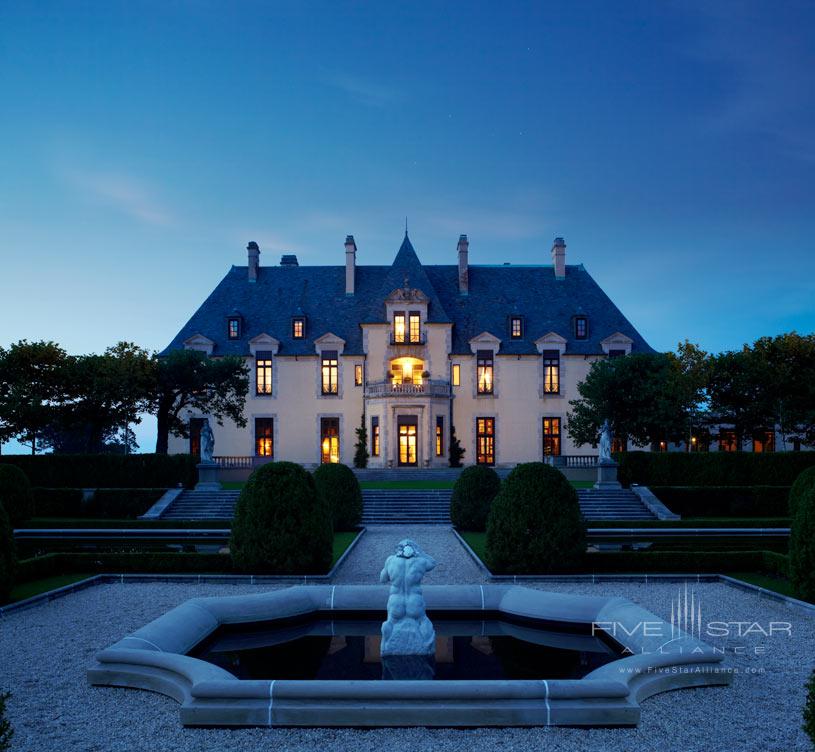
(207, 477)
(607, 476)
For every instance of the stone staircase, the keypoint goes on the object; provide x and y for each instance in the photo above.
(405, 506)
(621, 504)
(202, 505)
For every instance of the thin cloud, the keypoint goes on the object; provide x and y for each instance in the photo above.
(122, 192)
(365, 91)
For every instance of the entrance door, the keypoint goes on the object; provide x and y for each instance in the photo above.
(407, 441)
(196, 424)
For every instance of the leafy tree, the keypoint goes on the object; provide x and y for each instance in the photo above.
(361, 447)
(32, 388)
(456, 452)
(188, 379)
(740, 391)
(646, 397)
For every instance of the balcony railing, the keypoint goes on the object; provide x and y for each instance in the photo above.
(428, 388)
(406, 340)
(570, 460)
(231, 462)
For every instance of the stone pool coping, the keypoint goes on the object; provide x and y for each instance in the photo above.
(155, 658)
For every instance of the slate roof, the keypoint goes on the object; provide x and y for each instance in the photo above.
(495, 294)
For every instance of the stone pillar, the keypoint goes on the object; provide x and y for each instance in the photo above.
(207, 477)
(607, 476)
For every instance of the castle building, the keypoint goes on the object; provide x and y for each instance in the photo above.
(409, 350)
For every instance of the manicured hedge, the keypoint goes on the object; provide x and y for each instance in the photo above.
(697, 562)
(804, 482)
(282, 524)
(106, 470)
(340, 488)
(473, 493)
(712, 468)
(725, 501)
(8, 557)
(802, 546)
(105, 503)
(15, 494)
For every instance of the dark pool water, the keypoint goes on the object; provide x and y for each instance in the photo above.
(347, 649)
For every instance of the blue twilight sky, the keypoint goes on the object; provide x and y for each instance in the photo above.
(142, 144)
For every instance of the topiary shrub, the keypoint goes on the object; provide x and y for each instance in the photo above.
(535, 525)
(15, 494)
(8, 557)
(282, 524)
(340, 488)
(809, 709)
(802, 547)
(804, 482)
(472, 497)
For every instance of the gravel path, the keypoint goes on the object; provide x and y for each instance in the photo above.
(364, 563)
(45, 652)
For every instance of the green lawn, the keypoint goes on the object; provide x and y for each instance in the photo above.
(341, 542)
(35, 587)
(476, 541)
(233, 485)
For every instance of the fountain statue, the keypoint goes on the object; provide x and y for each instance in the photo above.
(605, 441)
(207, 467)
(207, 442)
(606, 466)
(407, 630)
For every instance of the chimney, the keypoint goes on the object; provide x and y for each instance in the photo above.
(463, 271)
(559, 258)
(350, 264)
(254, 260)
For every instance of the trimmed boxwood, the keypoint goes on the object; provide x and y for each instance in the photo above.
(712, 468)
(725, 501)
(57, 502)
(282, 524)
(802, 546)
(121, 503)
(340, 489)
(8, 557)
(15, 494)
(535, 525)
(472, 496)
(106, 470)
(804, 482)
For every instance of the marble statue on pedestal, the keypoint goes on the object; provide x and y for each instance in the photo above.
(605, 441)
(207, 442)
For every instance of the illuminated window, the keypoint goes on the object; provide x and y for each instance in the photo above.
(398, 327)
(375, 436)
(516, 328)
(330, 372)
(439, 436)
(662, 446)
(196, 424)
(551, 372)
(484, 371)
(551, 437)
(298, 327)
(619, 444)
(485, 441)
(407, 441)
(234, 327)
(407, 371)
(581, 327)
(329, 440)
(264, 437)
(728, 441)
(456, 374)
(414, 328)
(358, 374)
(764, 441)
(263, 373)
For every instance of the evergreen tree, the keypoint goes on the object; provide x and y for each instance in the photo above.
(361, 454)
(456, 451)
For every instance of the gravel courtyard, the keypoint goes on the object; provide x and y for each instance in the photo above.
(45, 652)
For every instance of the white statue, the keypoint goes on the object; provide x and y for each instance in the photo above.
(605, 442)
(407, 630)
(207, 442)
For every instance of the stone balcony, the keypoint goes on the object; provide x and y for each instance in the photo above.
(428, 388)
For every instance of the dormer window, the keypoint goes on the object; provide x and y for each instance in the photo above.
(233, 327)
(298, 327)
(414, 327)
(516, 327)
(581, 327)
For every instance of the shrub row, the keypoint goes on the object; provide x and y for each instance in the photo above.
(725, 501)
(106, 470)
(105, 503)
(802, 546)
(712, 469)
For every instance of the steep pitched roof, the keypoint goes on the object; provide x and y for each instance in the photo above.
(495, 293)
(407, 271)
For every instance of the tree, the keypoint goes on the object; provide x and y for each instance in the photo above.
(644, 396)
(32, 388)
(188, 379)
(740, 392)
(361, 447)
(456, 452)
